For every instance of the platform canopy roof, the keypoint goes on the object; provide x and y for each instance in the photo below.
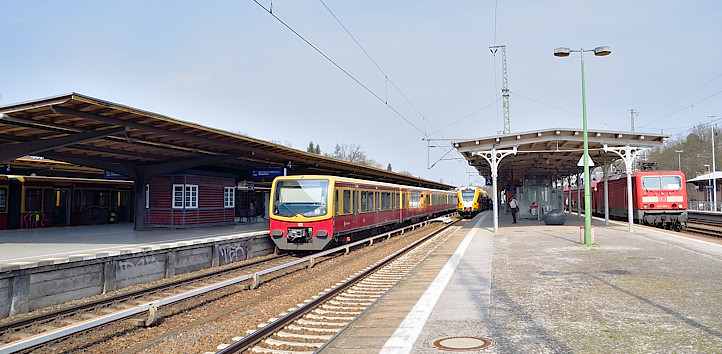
(549, 152)
(705, 178)
(87, 131)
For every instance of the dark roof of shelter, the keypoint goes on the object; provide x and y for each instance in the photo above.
(550, 152)
(87, 131)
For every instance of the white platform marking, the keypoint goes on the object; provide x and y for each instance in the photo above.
(403, 339)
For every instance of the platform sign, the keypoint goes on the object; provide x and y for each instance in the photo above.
(581, 161)
(267, 172)
(245, 186)
(111, 174)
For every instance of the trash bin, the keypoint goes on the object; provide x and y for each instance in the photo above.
(555, 217)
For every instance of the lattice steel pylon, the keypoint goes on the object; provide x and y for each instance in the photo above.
(504, 87)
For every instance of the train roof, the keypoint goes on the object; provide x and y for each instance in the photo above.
(359, 181)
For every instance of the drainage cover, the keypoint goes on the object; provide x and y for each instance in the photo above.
(462, 344)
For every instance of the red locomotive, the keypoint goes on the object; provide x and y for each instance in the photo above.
(308, 213)
(659, 198)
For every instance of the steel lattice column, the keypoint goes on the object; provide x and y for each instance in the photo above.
(628, 154)
(493, 157)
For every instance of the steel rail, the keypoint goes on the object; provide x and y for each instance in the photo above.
(110, 301)
(255, 278)
(260, 334)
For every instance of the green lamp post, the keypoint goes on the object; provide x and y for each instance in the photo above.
(600, 52)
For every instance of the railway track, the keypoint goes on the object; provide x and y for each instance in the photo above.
(46, 321)
(31, 332)
(312, 324)
(706, 223)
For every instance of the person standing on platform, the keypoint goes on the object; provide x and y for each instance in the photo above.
(514, 206)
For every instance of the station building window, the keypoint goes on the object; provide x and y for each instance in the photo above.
(3, 199)
(185, 196)
(191, 196)
(229, 197)
(147, 196)
(178, 196)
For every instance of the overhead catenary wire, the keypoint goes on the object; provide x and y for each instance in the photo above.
(387, 78)
(691, 105)
(469, 115)
(342, 69)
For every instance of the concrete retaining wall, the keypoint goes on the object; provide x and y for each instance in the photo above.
(26, 286)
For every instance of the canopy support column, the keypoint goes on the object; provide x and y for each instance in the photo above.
(569, 199)
(605, 170)
(628, 154)
(579, 197)
(493, 158)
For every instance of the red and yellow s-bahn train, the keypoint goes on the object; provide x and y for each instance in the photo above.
(659, 198)
(311, 212)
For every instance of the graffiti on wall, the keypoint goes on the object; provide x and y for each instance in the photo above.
(232, 252)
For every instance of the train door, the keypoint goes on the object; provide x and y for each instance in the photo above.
(14, 204)
(56, 206)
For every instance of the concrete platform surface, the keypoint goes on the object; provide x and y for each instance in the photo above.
(533, 288)
(35, 244)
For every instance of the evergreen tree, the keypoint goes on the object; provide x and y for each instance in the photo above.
(388, 167)
(318, 149)
(310, 147)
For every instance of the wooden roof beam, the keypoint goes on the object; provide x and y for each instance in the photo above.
(121, 167)
(180, 165)
(10, 152)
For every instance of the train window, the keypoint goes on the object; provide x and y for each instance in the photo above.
(371, 200)
(671, 183)
(337, 202)
(364, 201)
(414, 199)
(385, 201)
(651, 182)
(355, 202)
(347, 202)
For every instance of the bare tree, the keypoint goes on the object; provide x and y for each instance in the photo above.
(352, 153)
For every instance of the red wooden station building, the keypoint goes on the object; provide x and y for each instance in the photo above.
(75, 160)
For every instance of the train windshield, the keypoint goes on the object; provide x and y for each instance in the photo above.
(300, 197)
(662, 183)
(467, 195)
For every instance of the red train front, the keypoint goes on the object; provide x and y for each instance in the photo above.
(658, 198)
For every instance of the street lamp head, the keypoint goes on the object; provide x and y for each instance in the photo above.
(562, 52)
(602, 51)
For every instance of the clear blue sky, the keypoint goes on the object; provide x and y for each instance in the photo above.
(228, 64)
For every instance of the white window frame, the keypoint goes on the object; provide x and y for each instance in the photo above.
(191, 190)
(229, 197)
(147, 196)
(174, 201)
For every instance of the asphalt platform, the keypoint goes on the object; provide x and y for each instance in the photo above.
(533, 288)
(35, 244)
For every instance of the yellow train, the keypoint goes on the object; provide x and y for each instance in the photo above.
(471, 201)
